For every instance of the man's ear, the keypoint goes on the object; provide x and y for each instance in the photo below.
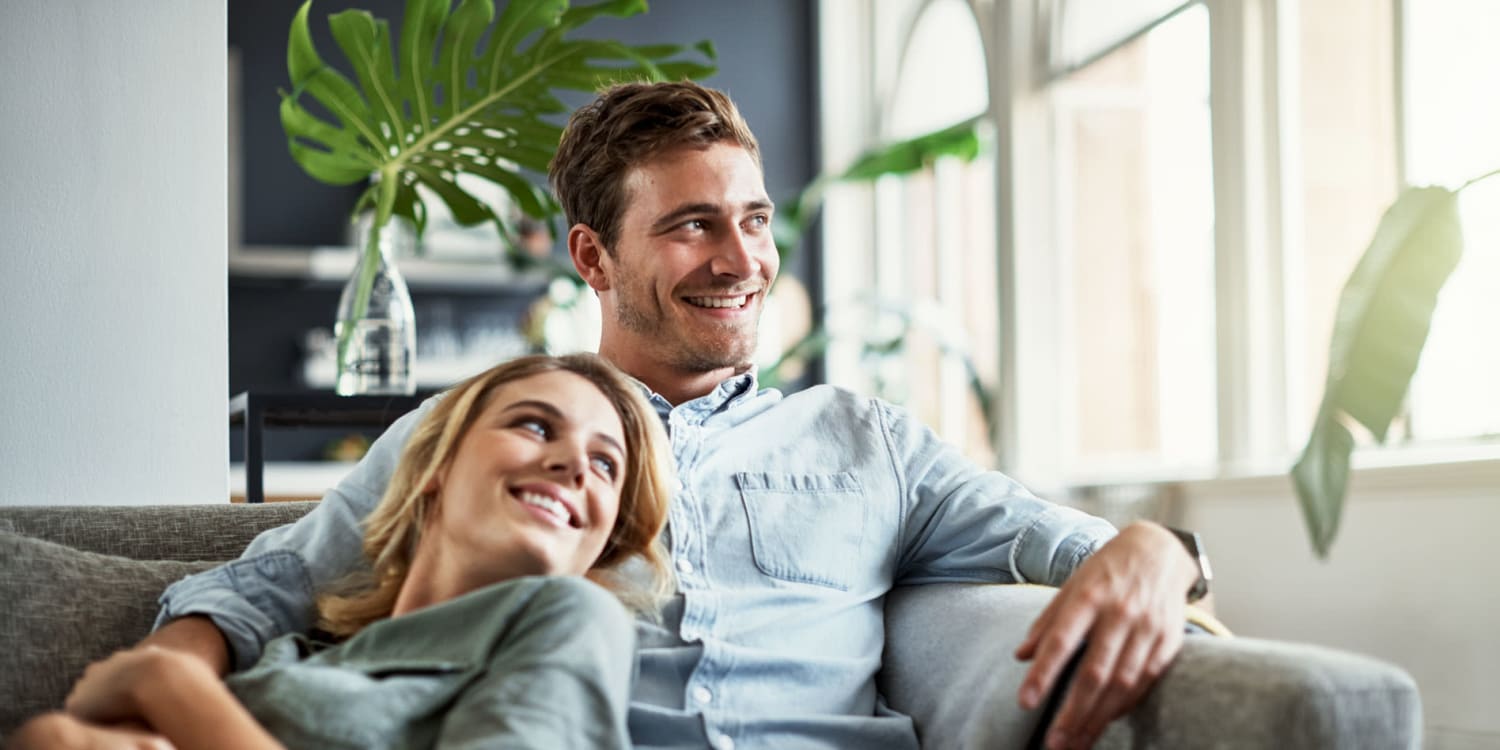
(589, 256)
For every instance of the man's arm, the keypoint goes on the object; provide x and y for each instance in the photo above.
(1122, 595)
(271, 589)
(171, 692)
(197, 636)
(1126, 604)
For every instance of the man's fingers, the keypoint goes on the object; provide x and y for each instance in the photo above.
(1125, 688)
(1043, 621)
(1089, 683)
(1055, 645)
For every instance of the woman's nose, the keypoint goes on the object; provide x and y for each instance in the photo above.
(567, 461)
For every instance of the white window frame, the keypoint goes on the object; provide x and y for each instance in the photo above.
(1257, 200)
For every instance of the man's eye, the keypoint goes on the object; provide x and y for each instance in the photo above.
(759, 221)
(695, 225)
(605, 465)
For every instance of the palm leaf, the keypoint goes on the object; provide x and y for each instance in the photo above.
(1383, 318)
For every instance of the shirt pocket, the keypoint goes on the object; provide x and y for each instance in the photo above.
(805, 528)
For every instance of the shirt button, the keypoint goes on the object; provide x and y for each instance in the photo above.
(702, 695)
(681, 486)
(684, 566)
(724, 742)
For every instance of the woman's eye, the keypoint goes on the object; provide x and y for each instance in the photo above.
(534, 425)
(605, 465)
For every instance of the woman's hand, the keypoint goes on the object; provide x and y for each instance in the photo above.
(59, 731)
(110, 690)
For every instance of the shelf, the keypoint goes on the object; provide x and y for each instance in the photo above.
(333, 265)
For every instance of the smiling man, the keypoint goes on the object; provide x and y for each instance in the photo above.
(795, 515)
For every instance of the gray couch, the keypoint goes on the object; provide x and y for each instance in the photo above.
(79, 582)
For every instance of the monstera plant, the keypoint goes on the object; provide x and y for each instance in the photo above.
(462, 93)
(1383, 317)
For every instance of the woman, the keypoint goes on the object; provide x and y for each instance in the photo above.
(473, 628)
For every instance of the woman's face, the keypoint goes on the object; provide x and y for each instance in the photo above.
(534, 486)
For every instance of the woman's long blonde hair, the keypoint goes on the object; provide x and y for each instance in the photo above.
(394, 527)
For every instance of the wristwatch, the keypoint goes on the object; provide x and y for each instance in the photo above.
(1194, 545)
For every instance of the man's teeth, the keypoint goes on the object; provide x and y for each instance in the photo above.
(719, 301)
(545, 503)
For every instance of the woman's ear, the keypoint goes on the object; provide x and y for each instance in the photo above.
(589, 256)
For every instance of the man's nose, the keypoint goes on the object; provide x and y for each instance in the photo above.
(736, 256)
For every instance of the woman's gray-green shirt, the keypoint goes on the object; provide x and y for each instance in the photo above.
(528, 663)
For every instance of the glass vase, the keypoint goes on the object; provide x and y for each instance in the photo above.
(376, 329)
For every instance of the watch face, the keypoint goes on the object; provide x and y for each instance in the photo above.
(1190, 540)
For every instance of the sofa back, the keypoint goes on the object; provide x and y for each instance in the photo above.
(80, 582)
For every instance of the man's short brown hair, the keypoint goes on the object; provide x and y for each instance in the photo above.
(630, 124)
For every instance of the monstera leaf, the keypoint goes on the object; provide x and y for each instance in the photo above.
(1382, 322)
(462, 93)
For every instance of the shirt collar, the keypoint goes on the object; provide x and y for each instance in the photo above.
(730, 390)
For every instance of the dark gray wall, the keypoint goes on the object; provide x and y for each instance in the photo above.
(767, 58)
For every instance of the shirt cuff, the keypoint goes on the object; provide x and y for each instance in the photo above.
(1049, 549)
(251, 600)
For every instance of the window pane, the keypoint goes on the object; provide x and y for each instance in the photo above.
(1346, 133)
(936, 241)
(1452, 136)
(1135, 207)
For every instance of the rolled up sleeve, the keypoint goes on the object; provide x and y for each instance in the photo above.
(251, 600)
(963, 523)
(270, 590)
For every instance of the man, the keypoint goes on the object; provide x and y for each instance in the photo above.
(794, 515)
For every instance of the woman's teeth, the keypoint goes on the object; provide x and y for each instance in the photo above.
(548, 504)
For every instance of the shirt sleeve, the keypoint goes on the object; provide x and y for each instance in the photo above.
(962, 523)
(270, 590)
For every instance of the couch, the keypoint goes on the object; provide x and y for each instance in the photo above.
(77, 583)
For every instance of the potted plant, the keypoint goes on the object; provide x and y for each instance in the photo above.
(1384, 314)
(461, 92)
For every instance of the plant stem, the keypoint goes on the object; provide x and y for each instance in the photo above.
(1480, 178)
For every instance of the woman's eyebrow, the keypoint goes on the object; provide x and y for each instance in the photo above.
(557, 413)
(535, 404)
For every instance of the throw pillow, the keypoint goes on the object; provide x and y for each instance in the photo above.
(62, 608)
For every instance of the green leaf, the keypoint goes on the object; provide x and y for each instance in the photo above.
(1381, 325)
(459, 79)
(904, 157)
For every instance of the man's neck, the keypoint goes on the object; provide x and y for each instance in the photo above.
(671, 383)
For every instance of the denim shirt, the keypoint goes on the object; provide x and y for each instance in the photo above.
(793, 517)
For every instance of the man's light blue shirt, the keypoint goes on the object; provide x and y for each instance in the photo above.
(793, 517)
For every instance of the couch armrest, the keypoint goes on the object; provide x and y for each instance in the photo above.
(948, 665)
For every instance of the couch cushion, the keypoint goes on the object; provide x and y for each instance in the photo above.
(62, 608)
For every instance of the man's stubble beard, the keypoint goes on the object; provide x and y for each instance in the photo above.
(734, 349)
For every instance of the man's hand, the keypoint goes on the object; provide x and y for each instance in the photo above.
(1127, 602)
(59, 731)
(110, 690)
(193, 636)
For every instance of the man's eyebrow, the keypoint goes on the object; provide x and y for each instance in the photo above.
(671, 218)
(556, 413)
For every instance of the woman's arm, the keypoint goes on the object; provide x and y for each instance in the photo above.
(177, 695)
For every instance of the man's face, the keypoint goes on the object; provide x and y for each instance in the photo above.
(693, 260)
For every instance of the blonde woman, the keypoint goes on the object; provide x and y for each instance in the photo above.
(477, 626)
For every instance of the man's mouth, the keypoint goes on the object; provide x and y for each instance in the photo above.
(717, 303)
